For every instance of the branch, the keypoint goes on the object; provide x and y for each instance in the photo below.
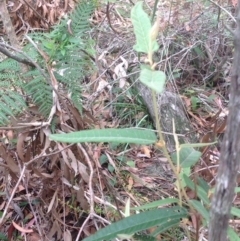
(17, 58)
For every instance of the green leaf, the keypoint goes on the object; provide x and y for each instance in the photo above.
(197, 144)
(184, 171)
(194, 102)
(48, 45)
(204, 185)
(110, 168)
(3, 237)
(103, 159)
(200, 191)
(138, 222)
(142, 25)
(188, 157)
(155, 80)
(156, 204)
(200, 208)
(165, 226)
(143, 237)
(237, 190)
(63, 51)
(235, 212)
(232, 235)
(199, 52)
(130, 163)
(108, 135)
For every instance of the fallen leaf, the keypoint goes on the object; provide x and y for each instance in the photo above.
(9, 159)
(20, 144)
(121, 72)
(67, 235)
(53, 201)
(187, 27)
(22, 230)
(73, 161)
(234, 3)
(130, 183)
(102, 84)
(145, 150)
(34, 237)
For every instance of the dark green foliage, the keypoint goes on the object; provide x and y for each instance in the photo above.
(40, 91)
(69, 51)
(141, 237)
(11, 102)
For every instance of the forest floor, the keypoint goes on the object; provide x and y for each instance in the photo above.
(196, 52)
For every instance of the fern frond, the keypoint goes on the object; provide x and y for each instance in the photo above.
(9, 64)
(80, 17)
(40, 92)
(11, 103)
(8, 71)
(65, 50)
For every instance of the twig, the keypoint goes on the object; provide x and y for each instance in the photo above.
(90, 177)
(12, 195)
(92, 212)
(109, 20)
(226, 11)
(31, 207)
(52, 82)
(21, 177)
(13, 127)
(16, 208)
(30, 6)
(17, 58)
(30, 60)
(42, 156)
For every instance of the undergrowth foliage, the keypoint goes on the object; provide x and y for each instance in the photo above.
(69, 49)
(11, 102)
(180, 161)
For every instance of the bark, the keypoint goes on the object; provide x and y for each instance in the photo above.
(10, 32)
(8, 24)
(230, 153)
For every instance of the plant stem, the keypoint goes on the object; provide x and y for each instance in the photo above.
(165, 151)
(166, 154)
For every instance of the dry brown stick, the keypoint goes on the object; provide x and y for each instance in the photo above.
(12, 195)
(91, 193)
(17, 58)
(38, 14)
(19, 180)
(109, 19)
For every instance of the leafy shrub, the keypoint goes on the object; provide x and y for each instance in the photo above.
(67, 49)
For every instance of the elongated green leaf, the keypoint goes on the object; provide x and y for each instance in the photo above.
(138, 222)
(165, 226)
(203, 184)
(154, 80)
(184, 171)
(107, 135)
(3, 237)
(237, 190)
(200, 191)
(232, 235)
(142, 237)
(188, 157)
(235, 212)
(156, 204)
(201, 209)
(142, 25)
(197, 144)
